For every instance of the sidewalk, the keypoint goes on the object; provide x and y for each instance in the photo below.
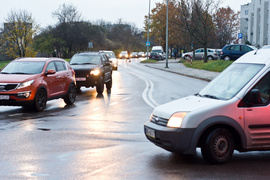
(175, 67)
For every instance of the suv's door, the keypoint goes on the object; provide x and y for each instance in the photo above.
(51, 80)
(257, 116)
(62, 75)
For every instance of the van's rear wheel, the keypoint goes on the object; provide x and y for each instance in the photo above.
(218, 146)
(227, 58)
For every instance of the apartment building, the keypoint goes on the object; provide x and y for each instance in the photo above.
(255, 22)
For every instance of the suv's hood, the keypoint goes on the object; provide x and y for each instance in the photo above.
(85, 66)
(186, 104)
(17, 78)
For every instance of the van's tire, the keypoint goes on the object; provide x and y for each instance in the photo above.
(218, 146)
(100, 86)
(40, 100)
(71, 95)
(210, 58)
(227, 58)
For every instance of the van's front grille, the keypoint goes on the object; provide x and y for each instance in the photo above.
(7, 87)
(159, 120)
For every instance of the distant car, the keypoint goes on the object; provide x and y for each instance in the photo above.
(92, 69)
(34, 81)
(158, 53)
(123, 55)
(199, 54)
(141, 54)
(234, 51)
(134, 55)
(112, 58)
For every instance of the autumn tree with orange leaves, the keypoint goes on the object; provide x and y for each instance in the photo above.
(227, 25)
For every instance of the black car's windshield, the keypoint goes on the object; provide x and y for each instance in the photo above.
(24, 67)
(85, 59)
(230, 81)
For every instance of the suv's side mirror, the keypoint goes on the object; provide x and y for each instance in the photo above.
(50, 71)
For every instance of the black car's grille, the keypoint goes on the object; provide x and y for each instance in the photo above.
(159, 120)
(82, 73)
(7, 87)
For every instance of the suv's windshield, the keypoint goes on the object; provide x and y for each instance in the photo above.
(85, 59)
(23, 67)
(231, 81)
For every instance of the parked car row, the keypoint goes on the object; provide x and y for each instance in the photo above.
(227, 53)
(31, 82)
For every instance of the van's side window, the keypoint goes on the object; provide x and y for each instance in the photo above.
(260, 93)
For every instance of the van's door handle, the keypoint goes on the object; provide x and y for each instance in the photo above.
(249, 109)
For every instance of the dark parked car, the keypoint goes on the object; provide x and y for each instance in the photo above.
(92, 69)
(34, 81)
(234, 51)
(112, 58)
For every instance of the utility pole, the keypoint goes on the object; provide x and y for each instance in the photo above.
(148, 32)
(167, 19)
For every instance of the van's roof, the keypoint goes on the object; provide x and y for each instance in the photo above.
(261, 56)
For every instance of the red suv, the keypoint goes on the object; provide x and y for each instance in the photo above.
(34, 81)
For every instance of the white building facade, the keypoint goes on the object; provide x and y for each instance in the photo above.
(256, 16)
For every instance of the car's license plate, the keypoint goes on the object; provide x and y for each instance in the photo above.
(4, 97)
(150, 132)
(81, 79)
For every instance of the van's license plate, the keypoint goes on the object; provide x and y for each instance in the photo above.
(150, 132)
(4, 97)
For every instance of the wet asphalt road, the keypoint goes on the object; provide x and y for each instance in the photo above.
(101, 137)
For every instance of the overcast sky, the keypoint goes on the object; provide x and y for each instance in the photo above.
(131, 11)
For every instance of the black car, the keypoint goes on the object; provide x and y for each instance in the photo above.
(92, 69)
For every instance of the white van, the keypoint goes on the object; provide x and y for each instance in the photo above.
(231, 113)
(158, 53)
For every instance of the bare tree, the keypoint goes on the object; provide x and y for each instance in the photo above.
(197, 18)
(67, 14)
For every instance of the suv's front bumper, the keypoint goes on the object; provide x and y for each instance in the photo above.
(171, 139)
(89, 81)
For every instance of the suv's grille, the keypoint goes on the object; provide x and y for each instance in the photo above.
(82, 73)
(7, 87)
(159, 120)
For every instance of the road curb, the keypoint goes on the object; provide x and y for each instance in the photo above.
(167, 70)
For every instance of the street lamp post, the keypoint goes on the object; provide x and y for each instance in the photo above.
(167, 19)
(148, 32)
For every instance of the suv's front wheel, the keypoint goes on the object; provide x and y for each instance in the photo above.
(218, 146)
(100, 86)
(109, 85)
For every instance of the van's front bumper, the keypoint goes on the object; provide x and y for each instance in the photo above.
(172, 139)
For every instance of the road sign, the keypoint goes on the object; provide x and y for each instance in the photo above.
(240, 35)
(90, 45)
(147, 43)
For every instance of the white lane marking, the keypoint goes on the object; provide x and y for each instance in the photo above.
(126, 99)
(113, 103)
(148, 91)
(96, 109)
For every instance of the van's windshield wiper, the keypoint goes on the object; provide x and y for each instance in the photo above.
(198, 94)
(210, 96)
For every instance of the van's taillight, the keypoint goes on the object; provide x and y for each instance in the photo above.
(221, 52)
(73, 72)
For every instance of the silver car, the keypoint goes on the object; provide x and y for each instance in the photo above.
(199, 54)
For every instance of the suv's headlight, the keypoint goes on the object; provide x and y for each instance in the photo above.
(95, 72)
(176, 119)
(25, 84)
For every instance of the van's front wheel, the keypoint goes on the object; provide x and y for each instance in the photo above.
(218, 146)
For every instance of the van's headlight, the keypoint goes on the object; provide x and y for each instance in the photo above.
(176, 119)
(95, 72)
(25, 84)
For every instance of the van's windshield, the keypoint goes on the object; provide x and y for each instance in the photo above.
(231, 81)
